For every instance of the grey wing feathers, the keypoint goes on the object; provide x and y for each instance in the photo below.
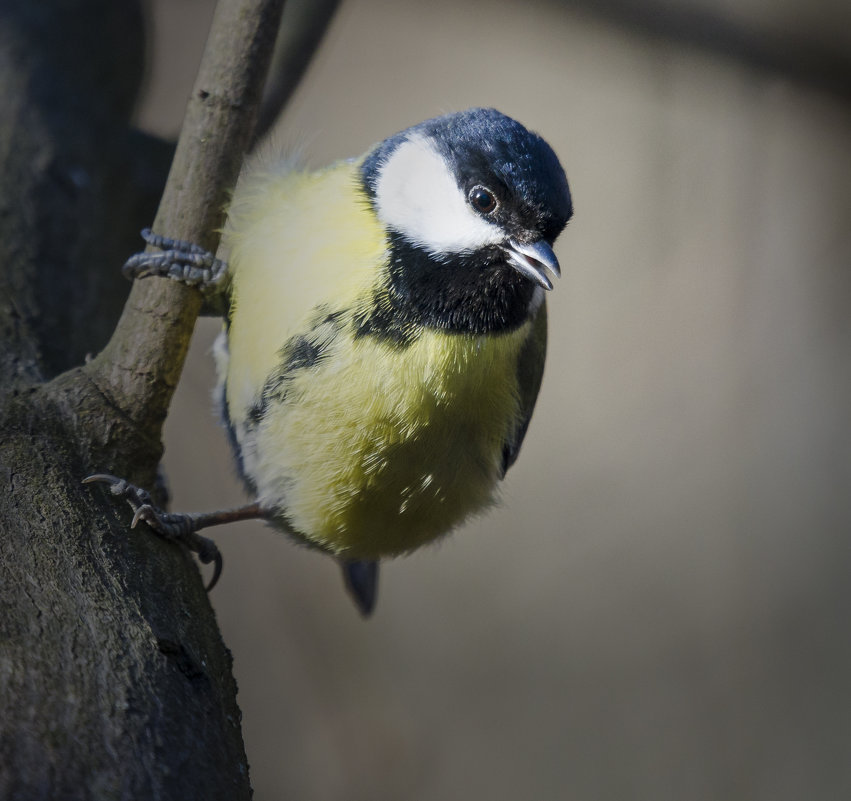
(530, 371)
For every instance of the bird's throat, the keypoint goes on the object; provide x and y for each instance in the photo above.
(475, 293)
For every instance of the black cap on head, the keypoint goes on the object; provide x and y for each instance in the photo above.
(485, 147)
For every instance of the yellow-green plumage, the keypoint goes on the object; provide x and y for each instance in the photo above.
(384, 339)
(366, 446)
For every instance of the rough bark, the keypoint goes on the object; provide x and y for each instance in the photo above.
(114, 680)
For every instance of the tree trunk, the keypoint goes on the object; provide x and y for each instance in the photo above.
(114, 680)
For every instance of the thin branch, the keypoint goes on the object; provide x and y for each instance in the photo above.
(140, 366)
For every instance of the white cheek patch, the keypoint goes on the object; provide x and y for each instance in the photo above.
(417, 195)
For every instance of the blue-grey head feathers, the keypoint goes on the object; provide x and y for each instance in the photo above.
(483, 147)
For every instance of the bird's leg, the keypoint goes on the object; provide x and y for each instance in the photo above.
(179, 260)
(181, 528)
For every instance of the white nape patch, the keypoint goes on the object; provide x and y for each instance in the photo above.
(417, 195)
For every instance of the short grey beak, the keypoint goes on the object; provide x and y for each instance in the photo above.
(533, 260)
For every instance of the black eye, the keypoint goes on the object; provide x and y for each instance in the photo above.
(482, 199)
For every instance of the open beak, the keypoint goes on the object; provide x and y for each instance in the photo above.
(533, 260)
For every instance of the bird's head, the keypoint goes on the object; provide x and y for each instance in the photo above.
(472, 188)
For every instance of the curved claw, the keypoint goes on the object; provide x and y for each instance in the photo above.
(102, 477)
(135, 496)
(218, 566)
(144, 512)
(177, 527)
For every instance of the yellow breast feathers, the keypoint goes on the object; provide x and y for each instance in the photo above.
(360, 442)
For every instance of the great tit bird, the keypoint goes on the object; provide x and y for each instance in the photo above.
(385, 336)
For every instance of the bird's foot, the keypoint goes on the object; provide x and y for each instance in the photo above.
(181, 528)
(179, 260)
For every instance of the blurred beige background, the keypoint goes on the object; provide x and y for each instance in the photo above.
(660, 609)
